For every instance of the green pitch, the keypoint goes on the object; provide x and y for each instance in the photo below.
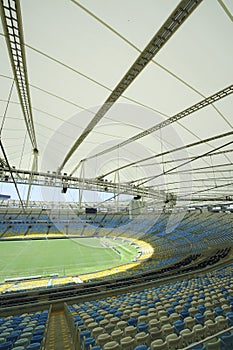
(62, 256)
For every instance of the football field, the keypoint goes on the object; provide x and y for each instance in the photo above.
(62, 256)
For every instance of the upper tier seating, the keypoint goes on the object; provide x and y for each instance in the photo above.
(25, 331)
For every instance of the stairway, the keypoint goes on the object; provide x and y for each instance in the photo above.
(58, 336)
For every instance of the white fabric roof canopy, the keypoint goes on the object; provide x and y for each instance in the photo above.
(77, 53)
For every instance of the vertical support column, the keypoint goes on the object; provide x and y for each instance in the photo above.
(82, 176)
(32, 176)
(142, 200)
(117, 190)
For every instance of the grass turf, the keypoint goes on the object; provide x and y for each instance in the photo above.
(62, 256)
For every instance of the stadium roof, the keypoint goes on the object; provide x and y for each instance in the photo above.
(93, 86)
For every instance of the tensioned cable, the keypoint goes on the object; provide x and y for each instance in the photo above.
(10, 155)
(72, 124)
(188, 111)
(9, 168)
(67, 66)
(59, 132)
(212, 167)
(183, 189)
(174, 21)
(193, 170)
(196, 172)
(203, 168)
(1, 145)
(70, 102)
(122, 95)
(206, 179)
(208, 189)
(137, 49)
(130, 43)
(159, 65)
(187, 162)
(13, 130)
(88, 78)
(205, 172)
(171, 151)
(181, 159)
(57, 142)
(12, 146)
(87, 110)
(98, 19)
(174, 168)
(22, 152)
(137, 102)
(81, 107)
(7, 105)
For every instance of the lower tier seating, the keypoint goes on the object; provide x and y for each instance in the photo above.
(171, 316)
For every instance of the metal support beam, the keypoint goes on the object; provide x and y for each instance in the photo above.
(175, 20)
(206, 102)
(224, 7)
(13, 30)
(55, 180)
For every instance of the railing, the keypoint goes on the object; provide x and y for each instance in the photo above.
(205, 340)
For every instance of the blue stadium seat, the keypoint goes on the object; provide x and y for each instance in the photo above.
(179, 326)
(34, 346)
(200, 319)
(6, 345)
(227, 341)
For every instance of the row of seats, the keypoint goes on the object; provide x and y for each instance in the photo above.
(188, 264)
(189, 227)
(24, 332)
(196, 231)
(42, 283)
(170, 316)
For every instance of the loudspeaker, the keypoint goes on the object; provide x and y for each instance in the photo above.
(137, 197)
(64, 188)
(90, 210)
